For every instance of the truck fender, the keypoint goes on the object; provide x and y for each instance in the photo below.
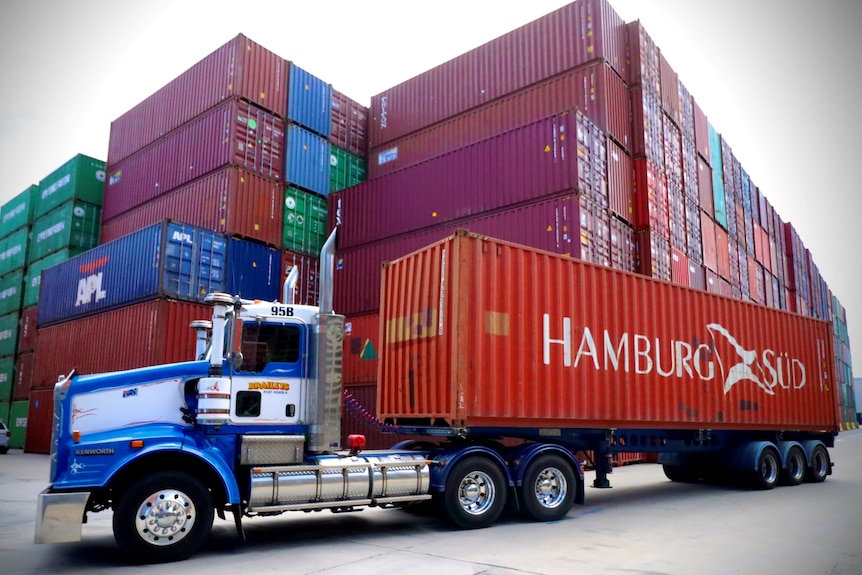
(784, 449)
(745, 457)
(445, 460)
(523, 455)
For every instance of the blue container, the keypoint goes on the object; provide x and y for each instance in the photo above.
(309, 101)
(308, 159)
(168, 259)
(718, 202)
(253, 270)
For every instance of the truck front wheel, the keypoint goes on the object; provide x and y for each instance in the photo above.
(548, 491)
(163, 517)
(475, 493)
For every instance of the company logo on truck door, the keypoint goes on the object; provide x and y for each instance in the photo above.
(643, 355)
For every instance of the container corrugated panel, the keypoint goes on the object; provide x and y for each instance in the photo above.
(686, 113)
(345, 169)
(679, 267)
(11, 292)
(722, 252)
(349, 124)
(235, 133)
(713, 282)
(696, 276)
(307, 160)
(18, 212)
(676, 217)
(9, 333)
(645, 60)
(650, 197)
(82, 178)
(548, 224)
(240, 68)
(654, 255)
(34, 274)
(24, 367)
(595, 90)
(309, 101)
(620, 182)
(728, 176)
(73, 226)
(252, 270)
(27, 332)
(307, 290)
(230, 201)
(701, 132)
(305, 221)
(526, 164)
(704, 185)
(669, 92)
(555, 358)
(624, 246)
(170, 259)
(689, 171)
(595, 231)
(694, 239)
(17, 423)
(647, 126)
(581, 32)
(40, 422)
(13, 251)
(709, 244)
(7, 378)
(147, 333)
(361, 340)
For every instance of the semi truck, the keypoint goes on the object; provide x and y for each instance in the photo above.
(500, 363)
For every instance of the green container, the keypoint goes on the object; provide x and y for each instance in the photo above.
(9, 333)
(11, 292)
(75, 225)
(17, 213)
(34, 274)
(304, 221)
(345, 169)
(18, 423)
(81, 178)
(13, 251)
(7, 381)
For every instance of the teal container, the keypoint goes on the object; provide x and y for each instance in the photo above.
(9, 334)
(718, 201)
(75, 225)
(304, 221)
(11, 292)
(345, 169)
(18, 423)
(33, 281)
(13, 251)
(82, 178)
(18, 212)
(7, 379)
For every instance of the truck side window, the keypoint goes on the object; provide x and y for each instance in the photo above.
(263, 343)
(248, 403)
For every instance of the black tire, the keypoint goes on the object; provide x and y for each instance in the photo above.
(794, 467)
(4, 450)
(475, 494)
(819, 466)
(679, 473)
(768, 469)
(549, 487)
(185, 512)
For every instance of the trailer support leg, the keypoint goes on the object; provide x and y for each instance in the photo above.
(604, 466)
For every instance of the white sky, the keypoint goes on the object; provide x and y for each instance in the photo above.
(780, 81)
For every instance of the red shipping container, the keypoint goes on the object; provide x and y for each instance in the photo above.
(578, 33)
(620, 171)
(679, 267)
(704, 187)
(349, 125)
(669, 89)
(234, 133)
(597, 91)
(654, 256)
(526, 164)
(713, 282)
(27, 330)
(40, 422)
(238, 69)
(753, 282)
(701, 132)
(24, 363)
(722, 252)
(645, 61)
(361, 340)
(624, 246)
(696, 276)
(230, 201)
(650, 198)
(483, 341)
(647, 126)
(709, 244)
(149, 333)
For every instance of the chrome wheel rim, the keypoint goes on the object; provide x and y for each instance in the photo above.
(550, 487)
(165, 517)
(476, 493)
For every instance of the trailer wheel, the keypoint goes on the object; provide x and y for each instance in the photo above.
(768, 469)
(679, 473)
(794, 468)
(163, 517)
(548, 492)
(820, 464)
(475, 493)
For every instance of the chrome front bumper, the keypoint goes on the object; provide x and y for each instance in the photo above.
(60, 516)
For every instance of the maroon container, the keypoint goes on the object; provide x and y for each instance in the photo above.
(27, 330)
(679, 273)
(650, 197)
(676, 217)
(620, 173)
(669, 91)
(307, 290)
(648, 127)
(693, 233)
(24, 364)
(708, 242)
(239, 69)
(538, 160)
(595, 90)
(361, 342)
(722, 252)
(713, 282)
(349, 125)
(701, 131)
(230, 201)
(704, 186)
(644, 70)
(689, 171)
(149, 333)
(624, 246)
(40, 422)
(235, 133)
(654, 255)
(696, 275)
(580, 32)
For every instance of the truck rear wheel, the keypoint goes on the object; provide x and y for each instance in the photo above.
(820, 464)
(163, 517)
(548, 491)
(794, 468)
(475, 493)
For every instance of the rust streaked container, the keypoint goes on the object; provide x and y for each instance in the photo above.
(361, 333)
(234, 133)
(709, 242)
(601, 349)
(349, 129)
(238, 69)
(620, 172)
(24, 365)
(722, 252)
(644, 69)
(149, 333)
(40, 420)
(578, 33)
(230, 201)
(669, 89)
(596, 90)
(27, 330)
